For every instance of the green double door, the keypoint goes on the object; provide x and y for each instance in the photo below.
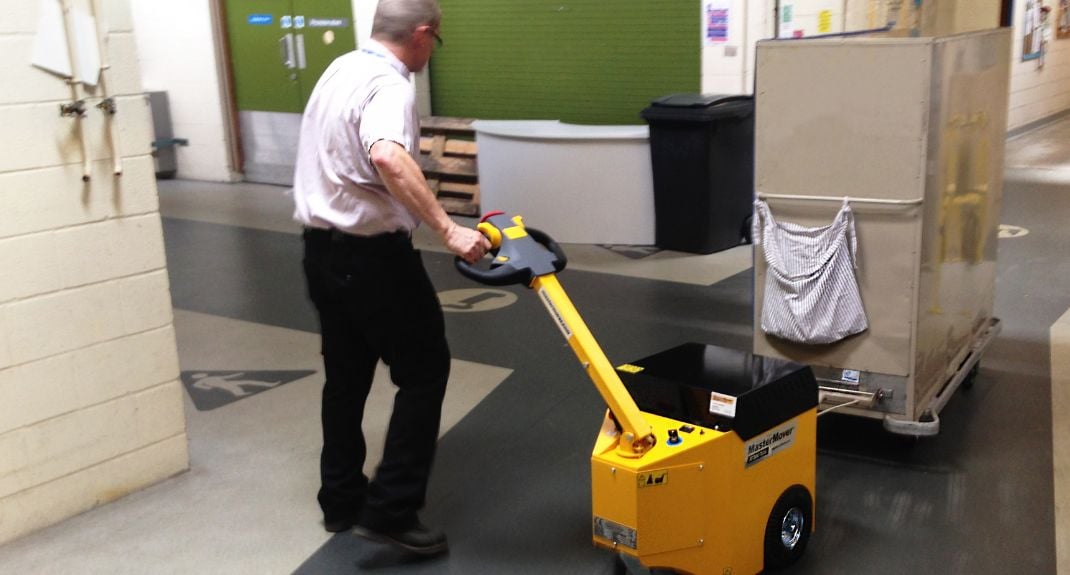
(279, 48)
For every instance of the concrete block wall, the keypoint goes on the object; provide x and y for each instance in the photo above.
(1038, 92)
(91, 407)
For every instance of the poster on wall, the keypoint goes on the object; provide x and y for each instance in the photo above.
(717, 22)
(787, 21)
(1062, 20)
(1032, 30)
(824, 22)
(789, 26)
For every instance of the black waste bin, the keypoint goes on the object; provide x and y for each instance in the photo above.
(702, 154)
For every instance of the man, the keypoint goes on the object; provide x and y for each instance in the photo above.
(359, 192)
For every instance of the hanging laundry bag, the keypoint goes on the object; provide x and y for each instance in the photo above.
(811, 293)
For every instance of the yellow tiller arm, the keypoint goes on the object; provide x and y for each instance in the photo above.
(527, 256)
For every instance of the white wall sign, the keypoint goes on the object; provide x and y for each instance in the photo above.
(50, 48)
(717, 22)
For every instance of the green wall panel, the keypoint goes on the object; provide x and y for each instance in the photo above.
(580, 61)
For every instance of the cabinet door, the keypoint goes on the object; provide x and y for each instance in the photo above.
(323, 30)
(264, 56)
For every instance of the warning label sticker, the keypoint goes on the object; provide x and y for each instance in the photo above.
(561, 323)
(852, 376)
(721, 404)
(653, 478)
(764, 446)
(615, 532)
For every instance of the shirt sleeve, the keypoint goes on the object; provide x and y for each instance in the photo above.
(384, 116)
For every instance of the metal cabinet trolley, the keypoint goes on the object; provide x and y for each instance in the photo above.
(911, 131)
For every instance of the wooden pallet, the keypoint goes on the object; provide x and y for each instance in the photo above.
(448, 159)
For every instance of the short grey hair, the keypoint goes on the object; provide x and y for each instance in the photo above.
(395, 20)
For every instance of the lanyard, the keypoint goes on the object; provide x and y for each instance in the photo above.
(393, 62)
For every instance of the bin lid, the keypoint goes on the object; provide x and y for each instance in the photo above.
(697, 100)
(700, 107)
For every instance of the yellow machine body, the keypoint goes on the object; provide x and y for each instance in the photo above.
(698, 507)
(688, 497)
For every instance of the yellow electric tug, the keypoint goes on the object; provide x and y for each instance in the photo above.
(705, 463)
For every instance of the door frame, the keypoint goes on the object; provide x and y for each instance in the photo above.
(226, 80)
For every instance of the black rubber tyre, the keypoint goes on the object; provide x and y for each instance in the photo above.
(788, 529)
(630, 566)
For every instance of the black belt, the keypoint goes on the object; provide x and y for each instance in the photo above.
(399, 238)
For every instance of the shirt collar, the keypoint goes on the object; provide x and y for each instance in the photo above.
(377, 49)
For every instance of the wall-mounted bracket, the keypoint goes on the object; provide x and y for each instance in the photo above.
(107, 105)
(74, 109)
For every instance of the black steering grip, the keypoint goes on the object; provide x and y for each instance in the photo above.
(518, 258)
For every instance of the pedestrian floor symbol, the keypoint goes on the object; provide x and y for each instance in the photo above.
(475, 300)
(1008, 232)
(212, 389)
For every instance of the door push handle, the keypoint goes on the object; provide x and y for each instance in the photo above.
(286, 46)
(301, 63)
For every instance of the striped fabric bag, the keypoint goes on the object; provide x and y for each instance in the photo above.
(811, 293)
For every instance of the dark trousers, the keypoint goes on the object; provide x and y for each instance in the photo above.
(375, 302)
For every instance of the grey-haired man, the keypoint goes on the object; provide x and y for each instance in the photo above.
(359, 192)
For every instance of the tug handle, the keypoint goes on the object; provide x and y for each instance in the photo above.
(501, 275)
(519, 253)
(544, 239)
(523, 255)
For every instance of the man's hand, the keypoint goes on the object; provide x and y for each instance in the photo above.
(467, 243)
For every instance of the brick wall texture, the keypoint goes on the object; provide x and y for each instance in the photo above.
(91, 407)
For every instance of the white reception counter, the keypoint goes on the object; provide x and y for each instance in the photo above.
(580, 184)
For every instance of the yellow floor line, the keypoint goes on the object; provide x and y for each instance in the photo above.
(1060, 428)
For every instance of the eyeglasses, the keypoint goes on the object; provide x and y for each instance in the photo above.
(438, 39)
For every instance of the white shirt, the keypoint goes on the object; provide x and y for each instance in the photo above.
(363, 97)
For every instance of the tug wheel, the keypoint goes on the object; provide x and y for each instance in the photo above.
(788, 530)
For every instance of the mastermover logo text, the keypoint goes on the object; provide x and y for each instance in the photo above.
(761, 448)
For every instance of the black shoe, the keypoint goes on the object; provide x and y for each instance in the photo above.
(419, 539)
(339, 525)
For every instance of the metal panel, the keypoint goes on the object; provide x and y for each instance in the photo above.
(887, 239)
(842, 117)
(269, 143)
(889, 391)
(849, 118)
(899, 119)
(163, 152)
(964, 193)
